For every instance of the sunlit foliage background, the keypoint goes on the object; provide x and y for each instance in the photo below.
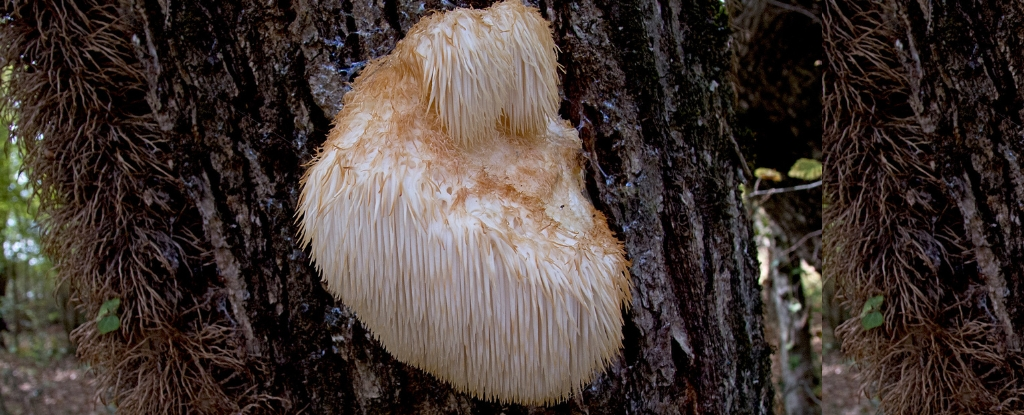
(34, 312)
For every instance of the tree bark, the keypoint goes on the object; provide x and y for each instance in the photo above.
(235, 97)
(923, 124)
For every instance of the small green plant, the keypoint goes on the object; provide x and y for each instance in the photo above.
(805, 169)
(871, 314)
(107, 319)
(765, 173)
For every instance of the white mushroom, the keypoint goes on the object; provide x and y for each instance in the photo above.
(447, 210)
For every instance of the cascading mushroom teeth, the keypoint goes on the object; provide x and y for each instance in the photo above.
(447, 210)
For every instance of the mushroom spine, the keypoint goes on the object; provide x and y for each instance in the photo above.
(447, 209)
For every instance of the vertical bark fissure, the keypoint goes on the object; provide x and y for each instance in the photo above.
(979, 75)
(228, 268)
(391, 11)
(989, 265)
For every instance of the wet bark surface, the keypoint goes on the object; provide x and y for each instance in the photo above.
(244, 93)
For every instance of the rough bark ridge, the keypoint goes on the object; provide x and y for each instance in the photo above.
(922, 143)
(233, 97)
(653, 107)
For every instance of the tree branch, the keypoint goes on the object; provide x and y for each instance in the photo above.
(769, 192)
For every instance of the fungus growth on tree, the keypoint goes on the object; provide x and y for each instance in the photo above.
(447, 210)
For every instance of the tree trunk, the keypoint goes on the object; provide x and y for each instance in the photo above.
(923, 124)
(181, 130)
(792, 315)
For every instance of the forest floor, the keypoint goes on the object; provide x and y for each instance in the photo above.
(841, 389)
(39, 376)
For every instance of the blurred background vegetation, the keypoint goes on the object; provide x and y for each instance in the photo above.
(38, 372)
(32, 307)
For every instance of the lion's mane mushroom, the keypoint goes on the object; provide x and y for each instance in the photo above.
(447, 210)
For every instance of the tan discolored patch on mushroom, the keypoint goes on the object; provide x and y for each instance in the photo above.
(447, 210)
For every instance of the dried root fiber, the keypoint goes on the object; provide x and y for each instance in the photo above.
(108, 196)
(913, 210)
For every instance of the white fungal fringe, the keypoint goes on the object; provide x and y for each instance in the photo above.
(487, 68)
(485, 266)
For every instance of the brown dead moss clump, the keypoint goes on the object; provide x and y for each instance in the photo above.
(893, 229)
(109, 199)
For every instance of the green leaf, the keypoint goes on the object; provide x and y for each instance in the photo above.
(873, 304)
(806, 169)
(108, 324)
(871, 315)
(872, 320)
(109, 307)
(765, 173)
